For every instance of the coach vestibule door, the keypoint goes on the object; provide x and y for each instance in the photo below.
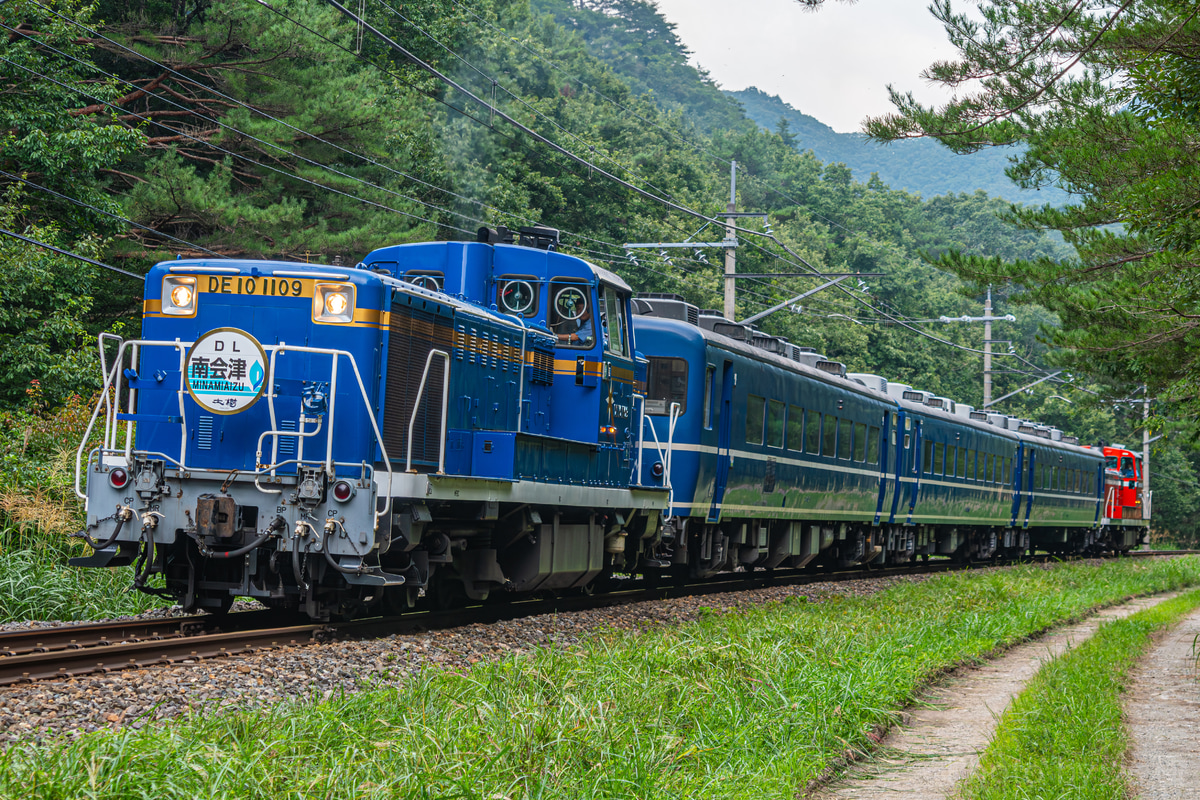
(886, 446)
(724, 442)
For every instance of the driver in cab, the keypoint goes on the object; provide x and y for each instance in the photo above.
(574, 328)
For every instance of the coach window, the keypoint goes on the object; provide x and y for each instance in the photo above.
(709, 373)
(962, 462)
(907, 428)
(829, 446)
(812, 433)
(951, 456)
(775, 423)
(612, 318)
(845, 439)
(939, 458)
(892, 430)
(666, 383)
(755, 409)
(860, 441)
(929, 458)
(795, 428)
(1007, 473)
(873, 445)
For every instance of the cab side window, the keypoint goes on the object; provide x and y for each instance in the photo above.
(612, 319)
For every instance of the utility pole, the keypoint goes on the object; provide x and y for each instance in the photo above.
(1145, 452)
(987, 350)
(987, 320)
(731, 236)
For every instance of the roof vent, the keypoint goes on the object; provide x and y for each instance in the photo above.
(897, 389)
(1056, 434)
(832, 367)
(1041, 431)
(915, 396)
(1025, 427)
(808, 357)
(935, 402)
(1070, 440)
(980, 416)
(733, 330)
(876, 382)
(963, 410)
(667, 306)
(772, 344)
(708, 318)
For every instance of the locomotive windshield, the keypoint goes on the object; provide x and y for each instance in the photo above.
(571, 314)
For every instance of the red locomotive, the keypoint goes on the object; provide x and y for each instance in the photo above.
(1122, 484)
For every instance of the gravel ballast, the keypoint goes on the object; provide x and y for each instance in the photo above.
(137, 697)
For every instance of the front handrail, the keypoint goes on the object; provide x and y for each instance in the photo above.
(420, 396)
(133, 347)
(666, 459)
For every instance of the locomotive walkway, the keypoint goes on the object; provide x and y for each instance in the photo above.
(939, 742)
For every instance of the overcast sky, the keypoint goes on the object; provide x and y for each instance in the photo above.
(833, 64)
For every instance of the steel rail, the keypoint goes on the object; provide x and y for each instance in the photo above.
(74, 650)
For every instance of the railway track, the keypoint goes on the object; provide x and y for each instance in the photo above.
(72, 650)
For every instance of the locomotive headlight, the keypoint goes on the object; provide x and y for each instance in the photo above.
(336, 303)
(333, 302)
(179, 295)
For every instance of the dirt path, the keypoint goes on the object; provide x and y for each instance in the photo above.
(1163, 712)
(939, 744)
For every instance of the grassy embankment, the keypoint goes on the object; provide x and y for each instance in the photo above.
(38, 512)
(1063, 736)
(746, 704)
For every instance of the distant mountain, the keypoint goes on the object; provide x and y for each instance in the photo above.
(915, 165)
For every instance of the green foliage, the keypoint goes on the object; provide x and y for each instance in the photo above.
(38, 512)
(44, 298)
(1112, 132)
(735, 705)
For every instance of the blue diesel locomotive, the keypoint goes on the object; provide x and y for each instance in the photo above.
(449, 419)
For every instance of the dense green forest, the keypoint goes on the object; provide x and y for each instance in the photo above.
(136, 131)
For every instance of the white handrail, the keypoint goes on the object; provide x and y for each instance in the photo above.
(412, 420)
(133, 348)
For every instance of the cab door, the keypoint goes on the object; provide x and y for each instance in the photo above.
(615, 433)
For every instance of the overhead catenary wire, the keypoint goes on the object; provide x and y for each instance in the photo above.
(285, 123)
(118, 217)
(70, 254)
(249, 136)
(286, 174)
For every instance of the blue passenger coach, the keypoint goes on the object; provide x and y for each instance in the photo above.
(774, 456)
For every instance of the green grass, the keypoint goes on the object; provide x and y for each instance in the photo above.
(1063, 737)
(748, 704)
(36, 583)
